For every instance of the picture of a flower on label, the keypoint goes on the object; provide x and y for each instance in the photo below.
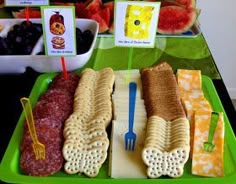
(137, 21)
(57, 26)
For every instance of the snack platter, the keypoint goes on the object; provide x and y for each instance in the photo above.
(11, 172)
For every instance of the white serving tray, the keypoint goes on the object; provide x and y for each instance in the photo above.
(42, 63)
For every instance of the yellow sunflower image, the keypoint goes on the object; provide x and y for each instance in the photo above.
(137, 21)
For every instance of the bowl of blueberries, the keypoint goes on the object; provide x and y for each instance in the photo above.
(22, 46)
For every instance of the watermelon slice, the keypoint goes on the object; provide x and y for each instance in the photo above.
(33, 13)
(103, 27)
(187, 3)
(106, 15)
(110, 5)
(94, 6)
(175, 19)
(169, 3)
(81, 11)
(111, 28)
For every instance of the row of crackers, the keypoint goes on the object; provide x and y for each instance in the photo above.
(86, 139)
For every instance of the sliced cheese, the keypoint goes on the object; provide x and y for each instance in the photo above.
(122, 79)
(195, 104)
(189, 80)
(127, 164)
(207, 163)
(122, 104)
(124, 94)
(192, 96)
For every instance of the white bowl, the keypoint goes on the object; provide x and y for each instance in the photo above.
(42, 63)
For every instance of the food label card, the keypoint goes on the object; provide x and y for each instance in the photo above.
(26, 2)
(59, 30)
(136, 23)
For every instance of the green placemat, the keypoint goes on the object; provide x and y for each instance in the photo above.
(187, 53)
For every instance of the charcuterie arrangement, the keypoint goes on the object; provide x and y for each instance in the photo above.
(82, 121)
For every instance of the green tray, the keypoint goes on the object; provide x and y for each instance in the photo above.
(10, 171)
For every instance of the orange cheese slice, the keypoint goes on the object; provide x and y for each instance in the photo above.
(192, 96)
(189, 81)
(207, 163)
(190, 107)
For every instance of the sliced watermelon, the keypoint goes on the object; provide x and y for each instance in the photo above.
(110, 5)
(169, 3)
(81, 11)
(111, 28)
(103, 27)
(33, 13)
(175, 19)
(106, 15)
(94, 6)
(187, 3)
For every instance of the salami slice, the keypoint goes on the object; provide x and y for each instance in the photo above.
(45, 124)
(66, 84)
(69, 84)
(60, 96)
(52, 110)
(53, 161)
(70, 76)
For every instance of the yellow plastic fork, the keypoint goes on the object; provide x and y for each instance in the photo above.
(39, 148)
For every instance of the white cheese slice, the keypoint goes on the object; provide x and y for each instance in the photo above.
(122, 80)
(127, 164)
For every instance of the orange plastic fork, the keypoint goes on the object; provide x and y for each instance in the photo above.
(39, 148)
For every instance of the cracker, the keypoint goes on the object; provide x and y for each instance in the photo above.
(80, 161)
(163, 163)
(166, 146)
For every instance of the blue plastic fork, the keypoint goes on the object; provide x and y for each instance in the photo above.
(130, 136)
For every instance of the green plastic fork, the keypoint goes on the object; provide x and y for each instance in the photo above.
(209, 146)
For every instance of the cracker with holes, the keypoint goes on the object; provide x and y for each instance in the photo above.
(166, 147)
(86, 141)
(83, 161)
(165, 163)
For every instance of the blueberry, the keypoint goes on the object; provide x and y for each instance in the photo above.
(11, 35)
(16, 28)
(18, 40)
(78, 32)
(84, 40)
(38, 28)
(87, 33)
(26, 24)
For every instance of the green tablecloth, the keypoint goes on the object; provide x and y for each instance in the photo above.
(186, 53)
